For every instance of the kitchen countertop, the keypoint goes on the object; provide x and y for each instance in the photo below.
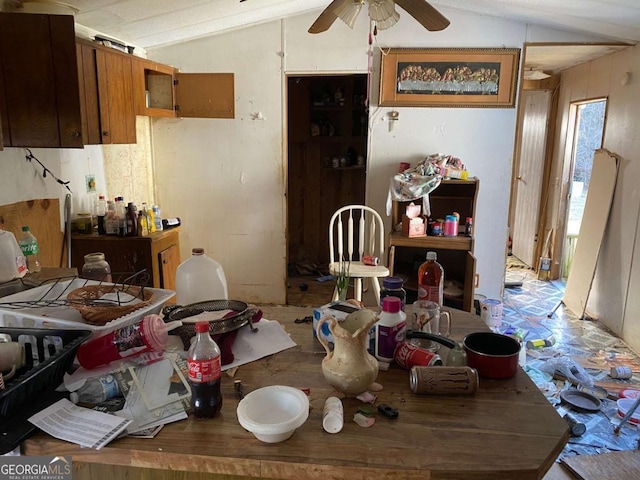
(507, 429)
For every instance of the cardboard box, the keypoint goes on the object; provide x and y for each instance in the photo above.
(337, 310)
(413, 229)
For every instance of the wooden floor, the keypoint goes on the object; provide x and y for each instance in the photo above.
(318, 293)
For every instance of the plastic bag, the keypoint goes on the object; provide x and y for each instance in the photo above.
(570, 369)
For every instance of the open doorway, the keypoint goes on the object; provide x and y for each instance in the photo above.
(587, 135)
(327, 129)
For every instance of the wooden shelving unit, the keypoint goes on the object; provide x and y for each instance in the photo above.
(455, 254)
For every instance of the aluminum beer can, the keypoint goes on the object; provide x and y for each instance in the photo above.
(370, 260)
(407, 355)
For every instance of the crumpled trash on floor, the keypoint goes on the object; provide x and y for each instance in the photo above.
(544, 381)
(567, 367)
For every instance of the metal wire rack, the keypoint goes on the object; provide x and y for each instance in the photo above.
(127, 288)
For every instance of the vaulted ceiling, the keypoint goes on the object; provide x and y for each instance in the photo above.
(153, 23)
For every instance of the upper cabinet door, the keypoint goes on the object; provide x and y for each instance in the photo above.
(40, 105)
(115, 87)
(107, 95)
(153, 88)
(205, 95)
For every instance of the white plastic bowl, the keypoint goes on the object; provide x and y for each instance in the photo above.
(273, 413)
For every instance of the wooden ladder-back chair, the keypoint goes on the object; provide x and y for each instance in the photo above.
(356, 231)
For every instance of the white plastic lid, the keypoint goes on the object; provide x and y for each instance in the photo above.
(432, 256)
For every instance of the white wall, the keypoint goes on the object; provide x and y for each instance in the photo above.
(21, 180)
(226, 178)
(614, 296)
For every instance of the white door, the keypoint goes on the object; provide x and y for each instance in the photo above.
(529, 178)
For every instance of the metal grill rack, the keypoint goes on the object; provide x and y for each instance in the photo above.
(56, 295)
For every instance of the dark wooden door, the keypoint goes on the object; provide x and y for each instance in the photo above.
(327, 124)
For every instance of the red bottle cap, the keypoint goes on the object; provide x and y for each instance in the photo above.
(391, 304)
(202, 327)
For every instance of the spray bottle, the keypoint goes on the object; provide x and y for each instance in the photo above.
(150, 333)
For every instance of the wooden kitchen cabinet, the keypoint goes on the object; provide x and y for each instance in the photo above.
(455, 254)
(162, 91)
(106, 94)
(158, 253)
(39, 91)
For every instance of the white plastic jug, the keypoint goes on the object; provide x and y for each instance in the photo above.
(12, 262)
(200, 278)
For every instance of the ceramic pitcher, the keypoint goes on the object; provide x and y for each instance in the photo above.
(349, 368)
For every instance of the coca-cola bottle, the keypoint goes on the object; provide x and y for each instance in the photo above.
(204, 373)
(431, 280)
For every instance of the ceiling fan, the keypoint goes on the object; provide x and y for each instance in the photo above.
(382, 12)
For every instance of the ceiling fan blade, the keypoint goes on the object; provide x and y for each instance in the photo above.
(425, 14)
(326, 18)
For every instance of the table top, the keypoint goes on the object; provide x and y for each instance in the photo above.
(508, 429)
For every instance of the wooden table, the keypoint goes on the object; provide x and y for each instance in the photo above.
(506, 430)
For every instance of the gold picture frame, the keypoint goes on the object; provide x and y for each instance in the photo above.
(449, 77)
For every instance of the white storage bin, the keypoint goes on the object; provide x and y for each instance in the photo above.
(52, 311)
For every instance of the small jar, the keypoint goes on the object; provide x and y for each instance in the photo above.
(96, 267)
(393, 287)
(450, 226)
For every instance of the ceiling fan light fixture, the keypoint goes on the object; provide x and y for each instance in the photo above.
(348, 11)
(381, 10)
(389, 22)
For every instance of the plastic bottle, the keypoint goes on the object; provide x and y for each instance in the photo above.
(121, 214)
(13, 263)
(132, 220)
(151, 218)
(143, 222)
(393, 287)
(30, 249)
(111, 219)
(389, 330)
(101, 212)
(158, 218)
(205, 373)
(200, 278)
(96, 267)
(96, 390)
(150, 333)
(431, 280)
